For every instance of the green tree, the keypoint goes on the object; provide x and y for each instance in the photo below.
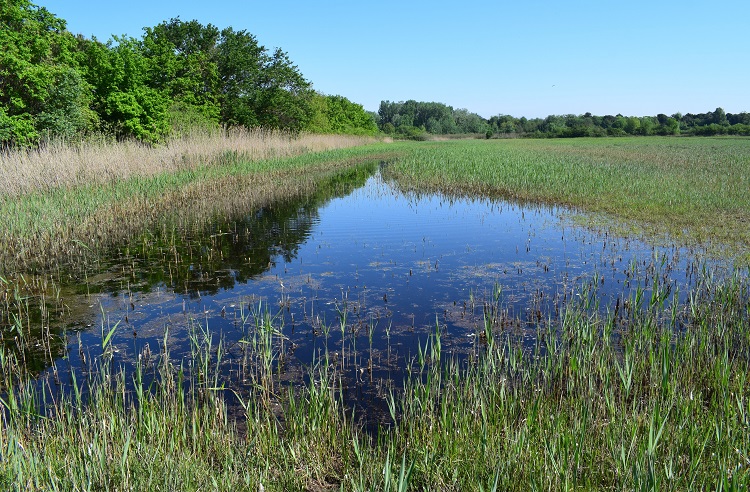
(67, 112)
(386, 114)
(41, 91)
(673, 126)
(318, 122)
(127, 105)
(647, 126)
(719, 117)
(337, 114)
(632, 125)
(257, 88)
(182, 66)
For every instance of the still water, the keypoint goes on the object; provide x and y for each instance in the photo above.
(360, 273)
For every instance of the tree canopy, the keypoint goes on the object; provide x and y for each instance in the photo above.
(182, 75)
(716, 122)
(42, 92)
(177, 76)
(412, 118)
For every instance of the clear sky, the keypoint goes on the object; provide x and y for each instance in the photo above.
(525, 57)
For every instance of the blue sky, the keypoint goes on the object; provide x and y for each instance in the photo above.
(524, 58)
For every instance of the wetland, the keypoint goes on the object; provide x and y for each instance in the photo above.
(378, 325)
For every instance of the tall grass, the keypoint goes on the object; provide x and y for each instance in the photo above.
(67, 205)
(690, 189)
(651, 398)
(47, 227)
(67, 164)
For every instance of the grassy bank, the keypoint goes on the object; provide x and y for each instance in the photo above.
(621, 401)
(46, 224)
(82, 199)
(691, 189)
(65, 164)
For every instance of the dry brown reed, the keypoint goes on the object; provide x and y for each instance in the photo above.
(66, 164)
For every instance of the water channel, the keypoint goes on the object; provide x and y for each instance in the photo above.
(361, 273)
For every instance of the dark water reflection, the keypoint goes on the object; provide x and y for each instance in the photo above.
(390, 267)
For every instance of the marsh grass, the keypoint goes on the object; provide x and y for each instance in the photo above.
(68, 164)
(692, 190)
(650, 398)
(64, 224)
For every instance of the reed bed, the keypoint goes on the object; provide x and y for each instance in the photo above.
(69, 164)
(654, 397)
(70, 226)
(649, 394)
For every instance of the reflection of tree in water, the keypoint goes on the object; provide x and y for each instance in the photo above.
(228, 250)
(29, 336)
(231, 249)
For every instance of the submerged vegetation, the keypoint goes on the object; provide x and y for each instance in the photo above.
(650, 397)
(649, 393)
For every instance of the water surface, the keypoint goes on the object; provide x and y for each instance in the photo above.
(359, 273)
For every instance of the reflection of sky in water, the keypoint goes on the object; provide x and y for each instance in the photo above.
(398, 263)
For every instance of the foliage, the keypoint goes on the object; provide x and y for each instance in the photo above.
(179, 77)
(412, 118)
(127, 105)
(41, 92)
(182, 65)
(258, 88)
(67, 112)
(336, 114)
(716, 122)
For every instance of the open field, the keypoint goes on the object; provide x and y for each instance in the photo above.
(651, 393)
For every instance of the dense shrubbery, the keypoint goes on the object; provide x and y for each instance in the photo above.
(177, 76)
(336, 114)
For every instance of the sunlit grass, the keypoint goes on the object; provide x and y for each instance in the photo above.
(691, 189)
(67, 164)
(63, 224)
(600, 401)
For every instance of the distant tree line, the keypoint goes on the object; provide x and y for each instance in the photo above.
(177, 76)
(412, 119)
(712, 123)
